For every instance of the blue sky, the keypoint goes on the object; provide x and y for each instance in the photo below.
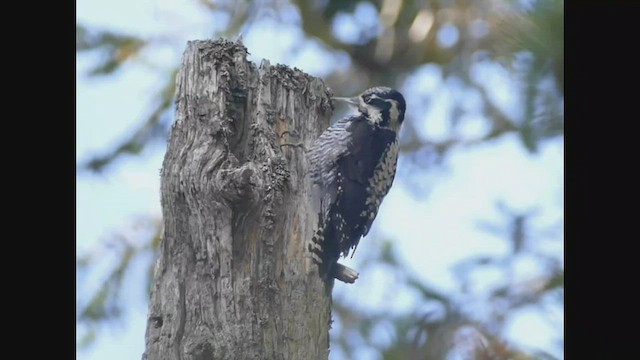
(432, 231)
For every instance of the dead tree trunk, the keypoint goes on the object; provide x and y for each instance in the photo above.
(233, 279)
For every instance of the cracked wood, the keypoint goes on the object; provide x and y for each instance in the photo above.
(232, 280)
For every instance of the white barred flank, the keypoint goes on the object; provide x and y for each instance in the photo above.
(381, 181)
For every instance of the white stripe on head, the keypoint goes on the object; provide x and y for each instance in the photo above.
(374, 114)
(394, 115)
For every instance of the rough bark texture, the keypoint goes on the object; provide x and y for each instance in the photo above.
(233, 279)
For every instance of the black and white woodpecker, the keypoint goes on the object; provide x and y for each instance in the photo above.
(353, 164)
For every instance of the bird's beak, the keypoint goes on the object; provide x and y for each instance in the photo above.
(351, 101)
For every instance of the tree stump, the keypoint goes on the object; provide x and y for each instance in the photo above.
(233, 279)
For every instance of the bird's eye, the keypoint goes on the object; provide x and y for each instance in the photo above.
(369, 98)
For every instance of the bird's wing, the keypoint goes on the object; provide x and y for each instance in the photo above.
(325, 152)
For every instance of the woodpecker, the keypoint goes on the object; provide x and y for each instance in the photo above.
(353, 164)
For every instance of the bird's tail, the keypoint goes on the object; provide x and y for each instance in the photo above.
(325, 252)
(323, 248)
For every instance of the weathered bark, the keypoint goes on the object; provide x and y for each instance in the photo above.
(233, 279)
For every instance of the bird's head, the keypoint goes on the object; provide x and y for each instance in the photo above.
(382, 106)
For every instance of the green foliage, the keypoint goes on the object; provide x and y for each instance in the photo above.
(433, 334)
(391, 57)
(118, 48)
(539, 31)
(106, 304)
(152, 128)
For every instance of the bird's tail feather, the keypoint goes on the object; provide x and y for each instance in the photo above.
(323, 247)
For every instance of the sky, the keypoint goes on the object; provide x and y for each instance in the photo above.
(432, 231)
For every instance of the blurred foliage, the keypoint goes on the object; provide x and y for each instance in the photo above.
(390, 42)
(117, 48)
(451, 323)
(407, 35)
(121, 251)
